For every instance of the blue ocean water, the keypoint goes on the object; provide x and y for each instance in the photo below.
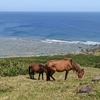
(51, 26)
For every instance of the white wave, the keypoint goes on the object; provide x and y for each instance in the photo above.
(53, 41)
(71, 42)
(91, 43)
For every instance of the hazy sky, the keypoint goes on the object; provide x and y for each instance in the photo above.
(50, 5)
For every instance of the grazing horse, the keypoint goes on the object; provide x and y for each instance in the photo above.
(38, 68)
(63, 65)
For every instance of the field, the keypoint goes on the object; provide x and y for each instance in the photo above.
(15, 83)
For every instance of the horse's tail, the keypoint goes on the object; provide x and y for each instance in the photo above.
(29, 70)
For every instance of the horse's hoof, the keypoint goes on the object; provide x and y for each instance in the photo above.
(47, 80)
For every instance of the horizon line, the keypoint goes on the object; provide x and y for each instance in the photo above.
(56, 11)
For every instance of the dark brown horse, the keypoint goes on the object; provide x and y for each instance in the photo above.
(63, 65)
(38, 68)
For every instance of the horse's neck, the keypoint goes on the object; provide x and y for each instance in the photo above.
(76, 67)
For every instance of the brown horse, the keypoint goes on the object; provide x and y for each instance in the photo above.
(63, 65)
(38, 68)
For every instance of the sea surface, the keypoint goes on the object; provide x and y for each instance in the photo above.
(50, 27)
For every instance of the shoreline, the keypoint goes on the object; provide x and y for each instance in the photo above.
(19, 47)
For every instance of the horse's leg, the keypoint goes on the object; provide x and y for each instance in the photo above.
(42, 76)
(48, 74)
(66, 74)
(39, 76)
(52, 72)
(33, 74)
(30, 74)
(48, 77)
(52, 77)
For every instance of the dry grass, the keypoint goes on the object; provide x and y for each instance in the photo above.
(23, 88)
(97, 53)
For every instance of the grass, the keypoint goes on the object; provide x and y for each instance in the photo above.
(97, 53)
(19, 65)
(22, 88)
(15, 83)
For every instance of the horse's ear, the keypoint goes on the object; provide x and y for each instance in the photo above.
(82, 70)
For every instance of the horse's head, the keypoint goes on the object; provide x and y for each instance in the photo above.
(78, 69)
(80, 73)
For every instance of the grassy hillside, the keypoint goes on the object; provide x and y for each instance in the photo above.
(22, 88)
(19, 65)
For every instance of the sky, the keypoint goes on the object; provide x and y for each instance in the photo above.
(50, 5)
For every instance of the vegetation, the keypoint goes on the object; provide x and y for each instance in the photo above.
(19, 65)
(97, 53)
(21, 87)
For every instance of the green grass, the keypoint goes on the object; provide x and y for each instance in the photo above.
(15, 83)
(19, 65)
(22, 88)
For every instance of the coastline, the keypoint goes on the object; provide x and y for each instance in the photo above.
(22, 47)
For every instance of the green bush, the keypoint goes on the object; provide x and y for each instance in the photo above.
(19, 65)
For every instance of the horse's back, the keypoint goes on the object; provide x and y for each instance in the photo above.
(58, 62)
(59, 65)
(35, 67)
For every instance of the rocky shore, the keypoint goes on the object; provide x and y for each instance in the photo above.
(16, 47)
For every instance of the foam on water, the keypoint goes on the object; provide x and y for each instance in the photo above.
(52, 41)
(71, 42)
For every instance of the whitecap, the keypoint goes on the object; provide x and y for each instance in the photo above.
(70, 42)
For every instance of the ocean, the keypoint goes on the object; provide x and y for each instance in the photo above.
(51, 27)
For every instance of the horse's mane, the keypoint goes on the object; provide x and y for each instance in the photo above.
(75, 66)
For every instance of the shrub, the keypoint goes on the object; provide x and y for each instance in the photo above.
(19, 65)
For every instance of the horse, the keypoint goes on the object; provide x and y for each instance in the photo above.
(63, 65)
(38, 68)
